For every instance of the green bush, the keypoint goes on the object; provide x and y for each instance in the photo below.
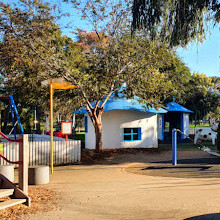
(218, 137)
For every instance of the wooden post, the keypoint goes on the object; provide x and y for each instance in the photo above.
(23, 168)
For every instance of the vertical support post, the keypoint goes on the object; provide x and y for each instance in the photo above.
(174, 147)
(51, 126)
(16, 113)
(23, 168)
(13, 121)
(35, 119)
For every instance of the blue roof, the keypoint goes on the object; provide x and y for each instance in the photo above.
(125, 104)
(174, 107)
(216, 93)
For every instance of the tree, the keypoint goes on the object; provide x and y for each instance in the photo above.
(216, 82)
(175, 22)
(113, 59)
(32, 50)
(197, 97)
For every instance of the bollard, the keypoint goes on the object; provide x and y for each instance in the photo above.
(38, 175)
(174, 147)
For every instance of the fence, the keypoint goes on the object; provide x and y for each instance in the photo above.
(39, 152)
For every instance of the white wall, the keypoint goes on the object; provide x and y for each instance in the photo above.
(186, 124)
(113, 123)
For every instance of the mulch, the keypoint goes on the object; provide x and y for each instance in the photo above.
(42, 200)
(89, 157)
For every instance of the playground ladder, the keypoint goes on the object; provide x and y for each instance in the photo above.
(9, 190)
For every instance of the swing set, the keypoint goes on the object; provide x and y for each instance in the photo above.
(14, 114)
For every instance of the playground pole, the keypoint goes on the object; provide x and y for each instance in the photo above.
(23, 168)
(58, 83)
(51, 126)
(174, 147)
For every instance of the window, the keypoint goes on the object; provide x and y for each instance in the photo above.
(86, 124)
(132, 134)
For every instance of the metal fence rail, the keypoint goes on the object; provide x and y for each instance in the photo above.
(39, 152)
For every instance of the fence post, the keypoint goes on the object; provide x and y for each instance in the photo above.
(23, 168)
(174, 147)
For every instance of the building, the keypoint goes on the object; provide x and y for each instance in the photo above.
(176, 117)
(126, 123)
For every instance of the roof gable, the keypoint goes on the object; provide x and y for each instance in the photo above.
(174, 107)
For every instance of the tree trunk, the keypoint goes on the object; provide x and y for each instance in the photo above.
(98, 135)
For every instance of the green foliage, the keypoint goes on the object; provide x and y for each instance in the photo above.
(32, 50)
(174, 21)
(196, 95)
(218, 137)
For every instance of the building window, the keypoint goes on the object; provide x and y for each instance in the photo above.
(86, 124)
(131, 134)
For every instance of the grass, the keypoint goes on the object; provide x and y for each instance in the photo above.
(199, 125)
(79, 136)
(1, 148)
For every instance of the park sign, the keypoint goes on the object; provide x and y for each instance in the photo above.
(66, 128)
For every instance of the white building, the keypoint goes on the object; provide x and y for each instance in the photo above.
(126, 124)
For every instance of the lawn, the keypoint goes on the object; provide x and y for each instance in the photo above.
(199, 125)
(1, 148)
(79, 136)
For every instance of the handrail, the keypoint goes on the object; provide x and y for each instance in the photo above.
(4, 136)
(19, 140)
(16, 162)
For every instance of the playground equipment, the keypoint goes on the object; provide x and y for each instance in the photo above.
(14, 112)
(58, 83)
(7, 188)
(174, 146)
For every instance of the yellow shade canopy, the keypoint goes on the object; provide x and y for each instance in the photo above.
(65, 85)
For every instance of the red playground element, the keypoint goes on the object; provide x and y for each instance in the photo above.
(56, 134)
(4, 136)
(20, 140)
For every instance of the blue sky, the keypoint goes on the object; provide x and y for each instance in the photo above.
(203, 57)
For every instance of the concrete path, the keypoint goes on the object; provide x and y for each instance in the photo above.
(108, 192)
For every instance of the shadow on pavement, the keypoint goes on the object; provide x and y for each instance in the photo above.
(207, 161)
(215, 216)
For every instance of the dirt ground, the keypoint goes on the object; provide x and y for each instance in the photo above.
(138, 184)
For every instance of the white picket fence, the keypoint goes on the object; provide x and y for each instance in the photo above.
(39, 152)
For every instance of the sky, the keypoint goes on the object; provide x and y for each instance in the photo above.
(203, 57)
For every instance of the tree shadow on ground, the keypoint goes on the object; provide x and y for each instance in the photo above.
(215, 216)
(205, 161)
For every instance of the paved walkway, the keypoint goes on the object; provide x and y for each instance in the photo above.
(103, 192)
